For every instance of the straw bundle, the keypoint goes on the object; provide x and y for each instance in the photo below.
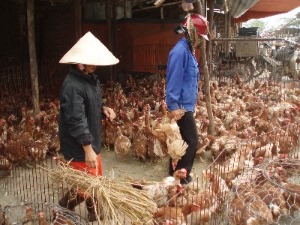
(119, 201)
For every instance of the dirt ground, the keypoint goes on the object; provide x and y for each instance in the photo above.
(116, 167)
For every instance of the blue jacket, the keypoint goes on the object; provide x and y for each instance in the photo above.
(182, 78)
(80, 115)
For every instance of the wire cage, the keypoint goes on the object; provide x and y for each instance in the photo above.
(40, 213)
(286, 178)
(269, 195)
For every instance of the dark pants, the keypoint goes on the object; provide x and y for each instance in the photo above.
(188, 130)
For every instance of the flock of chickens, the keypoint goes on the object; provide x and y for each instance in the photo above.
(30, 214)
(24, 137)
(253, 125)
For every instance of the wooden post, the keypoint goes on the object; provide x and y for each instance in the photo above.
(162, 13)
(125, 8)
(227, 31)
(229, 25)
(32, 56)
(211, 24)
(128, 8)
(108, 12)
(109, 16)
(77, 15)
(211, 126)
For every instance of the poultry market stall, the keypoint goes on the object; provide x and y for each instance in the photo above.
(255, 124)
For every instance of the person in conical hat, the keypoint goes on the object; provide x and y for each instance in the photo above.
(81, 111)
(89, 51)
(182, 87)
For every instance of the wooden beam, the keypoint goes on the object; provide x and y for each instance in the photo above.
(154, 7)
(250, 39)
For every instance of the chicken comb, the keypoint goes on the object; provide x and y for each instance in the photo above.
(183, 170)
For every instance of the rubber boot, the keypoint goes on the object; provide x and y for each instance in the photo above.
(70, 200)
(90, 205)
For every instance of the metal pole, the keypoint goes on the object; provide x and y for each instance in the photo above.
(253, 39)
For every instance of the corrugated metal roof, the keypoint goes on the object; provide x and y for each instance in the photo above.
(238, 7)
(265, 8)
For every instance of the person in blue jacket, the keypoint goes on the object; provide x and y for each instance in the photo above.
(182, 86)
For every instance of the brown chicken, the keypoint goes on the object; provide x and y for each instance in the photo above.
(224, 146)
(25, 136)
(273, 198)
(25, 118)
(38, 150)
(42, 218)
(54, 107)
(269, 150)
(126, 122)
(233, 165)
(156, 148)
(12, 120)
(203, 143)
(54, 144)
(292, 196)
(1, 215)
(208, 204)
(15, 151)
(247, 208)
(5, 164)
(3, 130)
(216, 184)
(52, 135)
(168, 215)
(58, 219)
(175, 192)
(209, 199)
(122, 145)
(110, 133)
(139, 142)
(29, 215)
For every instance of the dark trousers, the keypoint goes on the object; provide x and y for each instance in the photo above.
(188, 130)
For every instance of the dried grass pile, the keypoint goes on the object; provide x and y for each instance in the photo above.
(119, 202)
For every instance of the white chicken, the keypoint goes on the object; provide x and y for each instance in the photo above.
(175, 144)
(159, 191)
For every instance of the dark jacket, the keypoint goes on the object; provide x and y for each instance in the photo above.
(80, 114)
(182, 78)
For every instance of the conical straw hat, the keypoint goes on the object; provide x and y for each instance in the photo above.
(90, 51)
